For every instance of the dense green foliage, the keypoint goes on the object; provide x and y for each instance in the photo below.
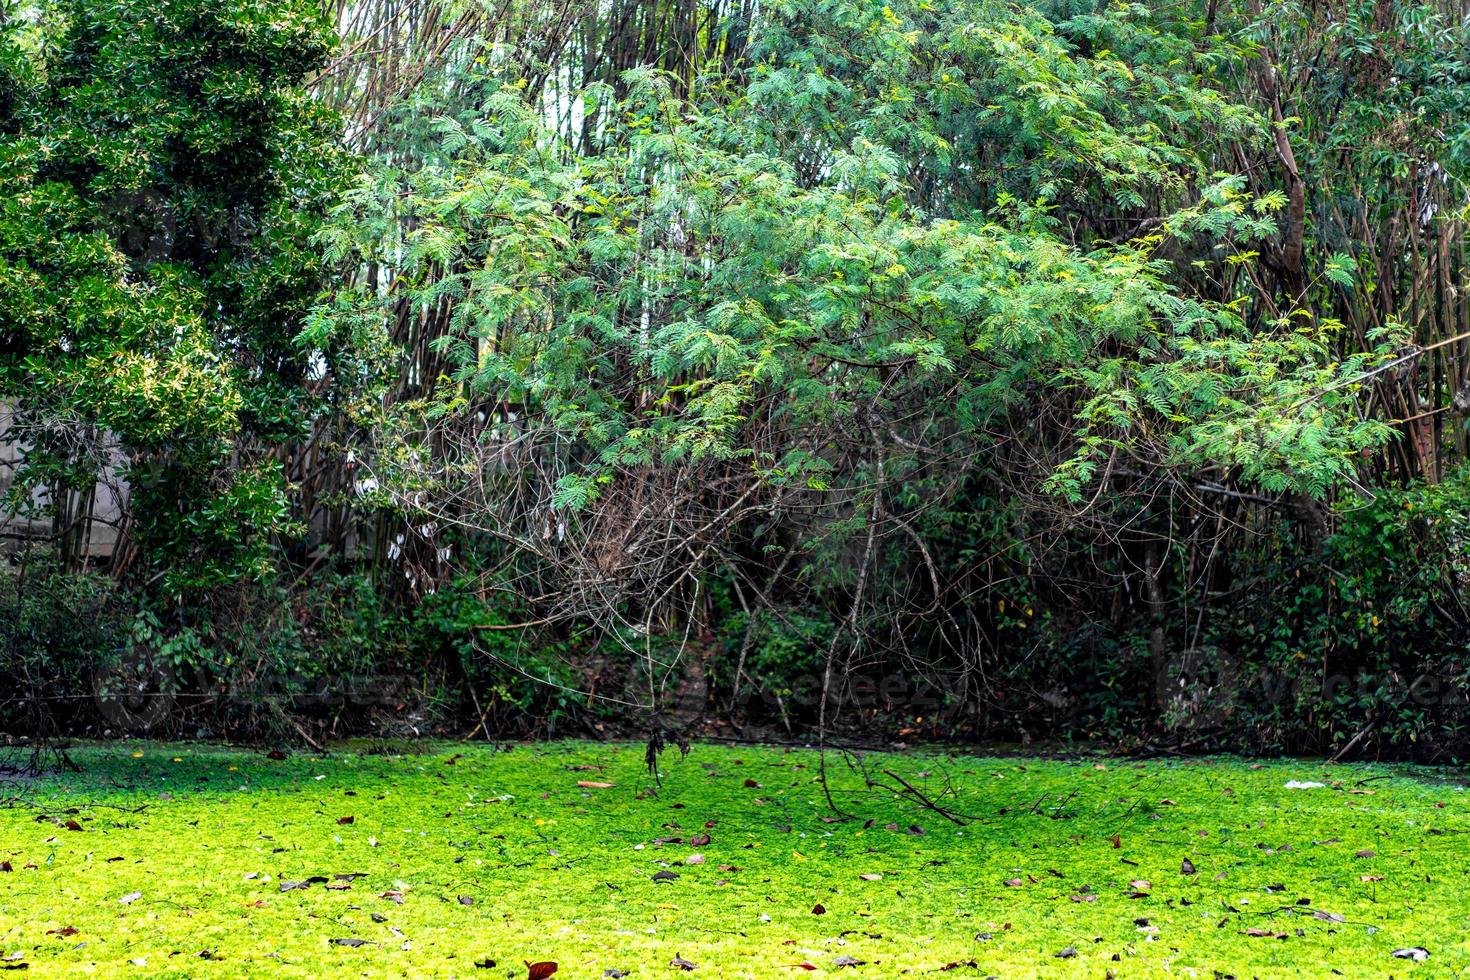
(1068, 366)
(162, 165)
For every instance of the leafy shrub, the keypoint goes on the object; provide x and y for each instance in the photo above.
(59, 632)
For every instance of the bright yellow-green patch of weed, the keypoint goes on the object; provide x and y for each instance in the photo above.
(201, 861)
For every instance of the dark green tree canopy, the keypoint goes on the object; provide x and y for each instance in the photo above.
(163, 166)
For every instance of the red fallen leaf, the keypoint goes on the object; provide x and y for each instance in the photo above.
(276, 755)
(1117, 841)
(803, 965)
(63, 931)
(819, 909)
(346, 820)
(6, 866)
(752, 784)
(699, 840)
(539, 971)
(73, 825)
(453, 759)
